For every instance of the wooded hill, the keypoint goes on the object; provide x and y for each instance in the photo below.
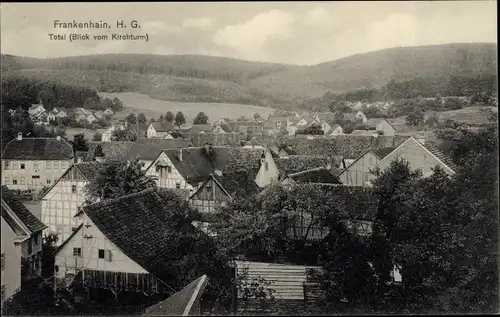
(219, 79)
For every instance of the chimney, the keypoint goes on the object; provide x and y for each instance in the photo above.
(19, 136)
(180, 154)
(58, 138)
(421, 138)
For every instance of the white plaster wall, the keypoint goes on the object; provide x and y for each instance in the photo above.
(11, 275)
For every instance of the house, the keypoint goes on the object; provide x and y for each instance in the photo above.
(290, 285)
(357, 173)
(121, 240)
(187, 168)
(91, 118)
(51, 117)
(358, 116)
(420, 155)
(41, 119)
(146, 150)
(217, 190)
(21, 244)
(83, 111)
(373, 123)
(298, 163)
(253, 143)
(80, 117)
(109, 112)
(108, 133)
(55, 110)
(159, 129)
(336, 130)
(62, 114)
(32, 163)
(394, 127)
(185, 302)
(108, 151)
(200, 128)
(61, 202)
(36, 110)
(99, 115)
(320, 175)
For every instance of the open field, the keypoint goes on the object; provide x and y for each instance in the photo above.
(470, 115)
(136, 103)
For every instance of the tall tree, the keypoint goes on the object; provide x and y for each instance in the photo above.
(117, 104)
(201, 118)
(179, 119)
(169, 117)
(118, 179)
(141, 118)
(80, 143)
(131, 118)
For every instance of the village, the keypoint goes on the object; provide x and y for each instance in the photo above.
(205, 165)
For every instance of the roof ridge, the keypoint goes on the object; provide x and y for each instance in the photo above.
(107, 202)
(309, 170)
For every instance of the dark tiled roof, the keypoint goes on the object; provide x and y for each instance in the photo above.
(38, 149)
(180, 302)
(373, 122)
(399, 126)
(145, 226)
(113, 150)
(240, 181)
(317, 175)
(195, 166)
(347, 146)
(216, 139)
(441, 156)
(382, 152)
(228, 159)
(299, 163)
(32, 222)
(149, 148)
(198, 128)
(89, 169)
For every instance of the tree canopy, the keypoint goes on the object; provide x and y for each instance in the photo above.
(201, 118)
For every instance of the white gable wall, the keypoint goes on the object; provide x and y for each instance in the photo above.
(268, 171)
(167, 180)
(11, 275)
(60, 205)
(90, 246)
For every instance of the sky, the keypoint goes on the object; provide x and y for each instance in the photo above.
(302, 33)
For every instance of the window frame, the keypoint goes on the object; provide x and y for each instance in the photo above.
(22, 166)
(14, 181)
(6, 164)
(74, 189)
(48, 165)
(101, 254)
(77, 252)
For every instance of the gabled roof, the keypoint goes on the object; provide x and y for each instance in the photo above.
(149, 148)
(38, 149)
(140, 225)
(69, 238)
(399, 126)
(198, 128)
(21, 212)
(113, 151)
(240, 180)
(441, 156)
(195, 165)
(373, 122)
(183, 303)
(317, 175)
(382, 152)
(88, 169)
(298, 163)
(253, 142)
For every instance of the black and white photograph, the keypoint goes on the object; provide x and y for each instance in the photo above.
(249, 158)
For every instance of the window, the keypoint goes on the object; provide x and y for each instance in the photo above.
(36, 238)
(169, 169)
(14, 165)
(3, 261)
(48, 165)
(14, 180)
(101, 253)
(208, 188)
(73, 188)
(22, 166)
(267, 166)
(48, 182)
(30, 246)
(56, 165)
(77, 252)
(35, 176)
(6, 165)
(7, 180)
(22, 181)
(35, 165)
(177, 184)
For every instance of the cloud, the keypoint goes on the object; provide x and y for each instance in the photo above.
(250, 37)
(201, 23)
(321, 17)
